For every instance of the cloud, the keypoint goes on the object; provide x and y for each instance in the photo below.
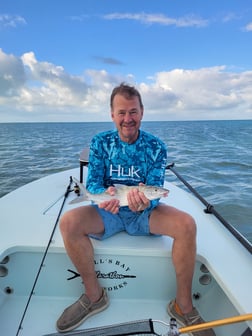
(12, 21)
(203, 92)
(248, 27)
(161, 19)
(27, 84)
(108, 60)
(155, 18)
(231, 17)
(63, 87)
(79, 18)
(12, 75)
(35, 87)
(31, 90)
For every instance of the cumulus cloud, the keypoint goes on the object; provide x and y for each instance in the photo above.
(32, 90)
(203, 93)
(54, 84)
(12, 75)
(29, 85)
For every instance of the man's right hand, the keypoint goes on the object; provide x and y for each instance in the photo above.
(111, 205)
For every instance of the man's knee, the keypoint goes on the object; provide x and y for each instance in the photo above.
(188, 225)
(67, 225)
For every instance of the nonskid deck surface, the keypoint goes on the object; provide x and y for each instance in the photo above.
(44, 311)
(139, 287)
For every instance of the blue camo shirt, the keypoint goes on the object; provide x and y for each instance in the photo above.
(112, 161)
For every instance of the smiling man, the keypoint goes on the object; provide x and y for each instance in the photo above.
(127, 113)
(128, 156)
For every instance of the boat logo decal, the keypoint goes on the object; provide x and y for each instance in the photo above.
(113, 273)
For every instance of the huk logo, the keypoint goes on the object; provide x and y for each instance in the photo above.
(123, 172)
(113, 273)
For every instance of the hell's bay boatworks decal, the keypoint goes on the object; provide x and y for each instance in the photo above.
(113, 273)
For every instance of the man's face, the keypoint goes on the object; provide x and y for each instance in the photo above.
(127, 115)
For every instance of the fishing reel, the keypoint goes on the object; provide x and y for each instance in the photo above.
(76, 189)
(173, 330)
(164, 328)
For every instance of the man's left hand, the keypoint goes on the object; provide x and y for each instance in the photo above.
(137, 200)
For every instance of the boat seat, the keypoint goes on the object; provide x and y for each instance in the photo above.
(84, 156)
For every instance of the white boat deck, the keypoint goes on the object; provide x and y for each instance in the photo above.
(25, 231)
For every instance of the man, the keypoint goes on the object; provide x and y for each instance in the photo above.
(143, 156)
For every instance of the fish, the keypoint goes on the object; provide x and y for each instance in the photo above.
(121, 191)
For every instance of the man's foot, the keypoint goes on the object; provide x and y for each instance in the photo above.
(78, 312)
(188, 319)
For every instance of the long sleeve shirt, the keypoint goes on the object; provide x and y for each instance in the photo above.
(112, 161)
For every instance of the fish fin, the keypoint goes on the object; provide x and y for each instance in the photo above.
(79, 199)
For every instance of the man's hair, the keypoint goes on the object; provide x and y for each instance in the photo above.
(127, 92)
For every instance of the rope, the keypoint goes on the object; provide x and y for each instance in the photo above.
(68, 190)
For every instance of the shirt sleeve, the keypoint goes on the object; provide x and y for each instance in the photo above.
(95, 178)
(156, 168)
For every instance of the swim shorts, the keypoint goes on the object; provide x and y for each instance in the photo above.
(134, 223)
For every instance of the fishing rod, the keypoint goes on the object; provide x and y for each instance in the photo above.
(211, 210)
(68, 190)
(215, 323)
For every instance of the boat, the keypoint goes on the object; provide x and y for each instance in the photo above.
(38, 280)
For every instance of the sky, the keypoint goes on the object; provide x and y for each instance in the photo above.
(60, 59)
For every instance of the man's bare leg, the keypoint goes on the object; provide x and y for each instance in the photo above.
(181, 227)
(75, 226)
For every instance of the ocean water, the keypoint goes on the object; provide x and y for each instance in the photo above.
(215, 157)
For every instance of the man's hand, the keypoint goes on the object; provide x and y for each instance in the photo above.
(112, 205)
(137, 200)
